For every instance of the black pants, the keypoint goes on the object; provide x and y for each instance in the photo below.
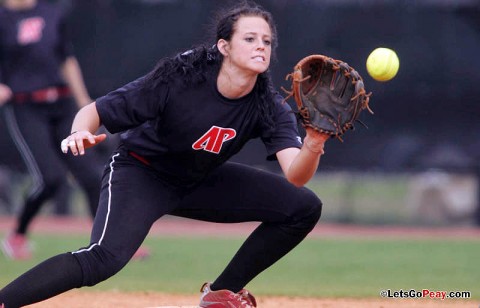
(37, 130)
(133, 197)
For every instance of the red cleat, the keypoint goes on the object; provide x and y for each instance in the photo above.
(16, 247)
(226, 298)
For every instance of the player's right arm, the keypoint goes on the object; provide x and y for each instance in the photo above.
(119, 110)
(84, 127)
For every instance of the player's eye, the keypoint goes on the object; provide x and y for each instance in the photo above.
(249, 39)
(267, 42)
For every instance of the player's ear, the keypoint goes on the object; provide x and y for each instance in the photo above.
(222, 46)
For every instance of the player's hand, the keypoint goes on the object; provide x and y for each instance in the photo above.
(315, 141)
(5, 94)
(77, 142)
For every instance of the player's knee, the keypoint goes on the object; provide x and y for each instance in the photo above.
(98, 264)
(308, 211)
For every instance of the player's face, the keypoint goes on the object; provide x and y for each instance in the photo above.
(251, 45)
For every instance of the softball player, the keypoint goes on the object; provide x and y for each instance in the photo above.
(38, 77)
(180, 124)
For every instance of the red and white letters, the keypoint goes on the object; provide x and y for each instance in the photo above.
(213, 140)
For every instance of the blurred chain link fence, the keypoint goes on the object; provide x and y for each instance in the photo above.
(429, 198)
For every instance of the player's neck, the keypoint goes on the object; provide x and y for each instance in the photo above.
(234, 85)
(20, 4)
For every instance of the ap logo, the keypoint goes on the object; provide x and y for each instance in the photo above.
(213, 139)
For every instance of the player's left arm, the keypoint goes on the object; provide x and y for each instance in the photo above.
(72, 74)
(299, 165)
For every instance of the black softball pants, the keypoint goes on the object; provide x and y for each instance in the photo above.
(133, 197)
(37, 130)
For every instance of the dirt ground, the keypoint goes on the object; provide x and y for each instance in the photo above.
(82, 299)
(174, 226)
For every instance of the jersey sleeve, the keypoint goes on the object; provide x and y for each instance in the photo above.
(285, 134)
(65, 45)
(131, 105)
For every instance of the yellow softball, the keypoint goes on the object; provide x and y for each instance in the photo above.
(383, 64)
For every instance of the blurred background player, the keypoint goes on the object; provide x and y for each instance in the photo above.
(42, 88)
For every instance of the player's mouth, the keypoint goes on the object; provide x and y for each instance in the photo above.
(259, 58)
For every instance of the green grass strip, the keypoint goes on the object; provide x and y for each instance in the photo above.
(318, 267)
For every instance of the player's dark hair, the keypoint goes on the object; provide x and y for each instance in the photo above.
(193, 66)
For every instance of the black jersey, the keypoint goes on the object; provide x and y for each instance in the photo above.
(33, 45)
(186, 132)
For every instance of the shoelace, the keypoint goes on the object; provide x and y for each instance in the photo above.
(246, 298)
(243, 301)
